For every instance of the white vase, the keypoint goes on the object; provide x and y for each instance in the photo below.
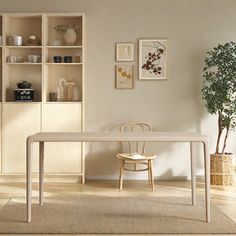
(70, 36)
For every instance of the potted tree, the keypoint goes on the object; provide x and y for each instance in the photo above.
(219, 93)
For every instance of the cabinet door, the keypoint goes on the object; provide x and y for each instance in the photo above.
(19, 121)
(62, 157)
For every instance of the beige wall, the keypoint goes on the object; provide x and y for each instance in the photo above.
(191, 26)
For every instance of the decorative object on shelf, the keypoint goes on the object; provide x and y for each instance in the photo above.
(68, 59)
(69, 32)
(24, 85)
(14, 40)
(24, 91)
(11, 59)
(152, 59)
(61, 90)
(77, 58)
(24, 95)
(57, 59)
(53, 97)
(76, 93)
(67, 90)
(124, 76)
(20, 59)
(56, 42)
(70, 90)
(33, 41)
(124, 51)
(219, 93)
(33, 58)
(15, 59)
(70, 36)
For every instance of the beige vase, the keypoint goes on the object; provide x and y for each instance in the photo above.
(70, 37)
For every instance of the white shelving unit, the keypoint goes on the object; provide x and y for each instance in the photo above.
(21, 119)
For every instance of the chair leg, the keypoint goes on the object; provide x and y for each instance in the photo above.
(151, 172)
(121, 174)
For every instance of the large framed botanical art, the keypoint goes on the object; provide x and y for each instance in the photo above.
(152, 59)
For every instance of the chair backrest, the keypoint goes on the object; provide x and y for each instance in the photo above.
(136, 126)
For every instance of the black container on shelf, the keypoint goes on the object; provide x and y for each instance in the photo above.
(24, 85)
(68, 59)
(57, 59)
(24, 95)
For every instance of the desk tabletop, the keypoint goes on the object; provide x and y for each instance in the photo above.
(117, 136)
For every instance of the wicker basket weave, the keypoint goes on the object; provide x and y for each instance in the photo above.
(222, 172)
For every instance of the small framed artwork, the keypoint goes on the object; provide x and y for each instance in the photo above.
(124, 76)
(124, 51)
(152, 59)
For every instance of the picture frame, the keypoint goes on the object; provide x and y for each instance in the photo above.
(124, 76)
(152, 59)
(124, 51)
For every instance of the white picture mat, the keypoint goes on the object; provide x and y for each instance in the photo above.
(124, 51)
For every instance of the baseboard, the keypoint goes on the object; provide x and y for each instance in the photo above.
(75, 178)
(112, 177)
(70, 178)
(57, 178)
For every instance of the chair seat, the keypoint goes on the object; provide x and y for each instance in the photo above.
(134, 157)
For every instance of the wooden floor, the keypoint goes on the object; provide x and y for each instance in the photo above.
(223, 197)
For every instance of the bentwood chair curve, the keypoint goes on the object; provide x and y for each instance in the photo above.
(136, 155)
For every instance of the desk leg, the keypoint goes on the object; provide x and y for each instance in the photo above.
(28, 179)
(207, 180)
(41, 172)
(193, 173)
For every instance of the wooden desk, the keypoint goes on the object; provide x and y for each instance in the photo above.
(117, 137)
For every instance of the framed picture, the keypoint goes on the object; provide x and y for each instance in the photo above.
(152, 59)
(124, 51)
(124, 76)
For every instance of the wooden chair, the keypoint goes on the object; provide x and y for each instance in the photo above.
(136, 155)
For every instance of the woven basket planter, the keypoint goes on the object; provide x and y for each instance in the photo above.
(222, 172)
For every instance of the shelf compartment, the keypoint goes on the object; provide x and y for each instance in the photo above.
(17, 73)
(24, 26)
(52, 35)
(70, 73)
(23, 52)
(64, 51)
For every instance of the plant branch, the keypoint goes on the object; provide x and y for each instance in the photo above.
(219, 132)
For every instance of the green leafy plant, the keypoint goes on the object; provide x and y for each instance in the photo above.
(219, 89)
(63, 28)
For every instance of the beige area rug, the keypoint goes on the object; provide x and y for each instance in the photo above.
(96, 214)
